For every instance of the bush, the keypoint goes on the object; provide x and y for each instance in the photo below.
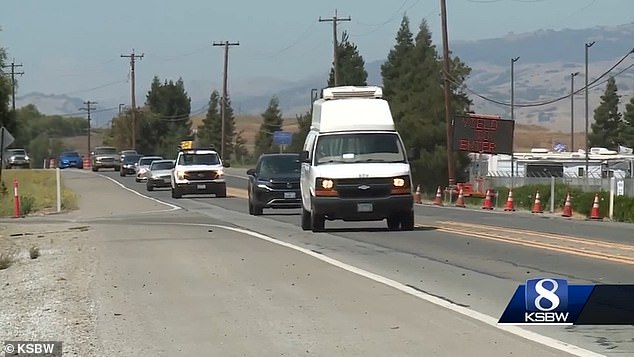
(26, 204)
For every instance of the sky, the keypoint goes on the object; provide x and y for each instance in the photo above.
(73, 47)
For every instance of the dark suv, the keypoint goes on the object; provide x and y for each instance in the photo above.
(274, 183)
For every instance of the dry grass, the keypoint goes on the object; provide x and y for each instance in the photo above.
(534, 136)
(36, 186)
(80, 143)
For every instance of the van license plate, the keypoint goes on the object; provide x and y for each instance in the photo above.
(365, 207)
(201, 187)
(289, 194)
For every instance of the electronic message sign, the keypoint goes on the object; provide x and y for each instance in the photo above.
(486, 134)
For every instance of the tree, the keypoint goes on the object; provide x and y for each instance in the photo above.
(628, 124)
(7, 116)
(272, 122)
(608, 124)
(412, 83)
(303, 122)
(239, 147)
(209, 130)
(351, 65)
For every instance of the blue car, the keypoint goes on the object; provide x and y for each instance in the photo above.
(70, 159)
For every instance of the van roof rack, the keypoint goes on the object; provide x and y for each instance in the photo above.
(352, 92)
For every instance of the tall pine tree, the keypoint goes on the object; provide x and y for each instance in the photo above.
(628, 125)
(7, 116)
(413, 85)
(351, 65)
(209, 130)
(303, 123)
(608, 124)
(271, 122)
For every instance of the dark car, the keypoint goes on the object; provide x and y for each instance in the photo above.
(70, 159)
(128, 164)
(274, 183)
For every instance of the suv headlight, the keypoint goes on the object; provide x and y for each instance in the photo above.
(26, 157)
(180, 175)
(220, 173)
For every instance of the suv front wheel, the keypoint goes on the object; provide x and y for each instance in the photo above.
(176, 193)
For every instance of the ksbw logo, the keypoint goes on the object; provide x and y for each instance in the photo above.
(546, 301)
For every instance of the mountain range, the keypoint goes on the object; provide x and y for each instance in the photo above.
(543, 71)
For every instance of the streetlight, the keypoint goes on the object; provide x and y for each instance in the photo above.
(572, 110)
(587, 45)
(513, 60)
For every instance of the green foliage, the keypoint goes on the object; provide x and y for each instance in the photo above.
(608, 124)
(272, 122)
(209, 133)
(628, 124)
(412, 84)
(303, 121)
(26, 204)
(351, 65)
(7, 117)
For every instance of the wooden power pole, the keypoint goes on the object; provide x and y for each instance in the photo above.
(335, 63)
(447, 87)
(89, 108)
(13, 66)
(133, 57)
(223, 105)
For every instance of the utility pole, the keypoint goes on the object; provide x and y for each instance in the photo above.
(89, 108)
(13, 66)
(223, 106)
(133, 57)
(513, 60)
(335, 19)
(588, 45)
(448, 116)
(572, 110)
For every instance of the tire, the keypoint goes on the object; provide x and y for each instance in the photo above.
(257, 210)
(251, 212)
(222, 194)
(317, 222)
(121, 173)
(137, 179)
(149, 186)
(407, 221)
(117, 168)
(176, 193)
(306, 220)
(393, 223)
(94, 169)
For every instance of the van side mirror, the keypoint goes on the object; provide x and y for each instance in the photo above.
(251, 172)
(413, 154)
(226, 164)
(304, 156)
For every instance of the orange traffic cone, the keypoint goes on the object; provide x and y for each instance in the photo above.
(438, 199)
(594, 213)
(417, 198)
(487, 204)
(510, 205)
(460, 200)
(537, 206)
(567, 207)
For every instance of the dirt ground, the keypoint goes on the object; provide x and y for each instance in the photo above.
(47, 298)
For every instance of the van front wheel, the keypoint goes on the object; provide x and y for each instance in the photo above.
(407, 222)
(318, 222)
(306, 219)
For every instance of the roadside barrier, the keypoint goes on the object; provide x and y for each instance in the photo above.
(510, 205)
(16, 199)
(594, 213)
(417, 197)
(567, 207)
(488, 203)
(438, 199)
(460, 200)
(537, 205)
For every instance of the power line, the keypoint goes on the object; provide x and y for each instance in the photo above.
(13, 66)
(89, 108)
(335, 20)
(133, 57)
(223, 106)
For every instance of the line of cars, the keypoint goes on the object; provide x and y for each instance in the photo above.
(154, 170)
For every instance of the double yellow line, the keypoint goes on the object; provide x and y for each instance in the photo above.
(596, 249)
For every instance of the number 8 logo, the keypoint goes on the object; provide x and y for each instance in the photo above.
(544, 293)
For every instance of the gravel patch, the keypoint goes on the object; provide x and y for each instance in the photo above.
(48, 298)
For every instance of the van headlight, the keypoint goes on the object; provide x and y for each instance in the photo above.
(180, 175)
(401, 185)
(325, 187)
(398, 182)
(327, 184)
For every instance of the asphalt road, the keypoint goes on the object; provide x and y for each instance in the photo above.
(457, 256)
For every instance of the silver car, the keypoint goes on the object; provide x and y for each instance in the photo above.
(143, 167)
(160, 174)
(16, 158)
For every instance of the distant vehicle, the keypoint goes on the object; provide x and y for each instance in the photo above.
(159, 174)
(16, 158)
(198, 171)
(143, 166)
(355, 169)
(124, 153)
(70, 159)
(128, 164)
(104, 157)
(274, 183)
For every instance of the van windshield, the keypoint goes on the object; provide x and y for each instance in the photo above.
(359, 147)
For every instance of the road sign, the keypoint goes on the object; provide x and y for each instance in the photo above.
(6, 139)
(483, 134)
(282, 138)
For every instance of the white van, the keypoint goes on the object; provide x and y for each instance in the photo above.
(354, 164)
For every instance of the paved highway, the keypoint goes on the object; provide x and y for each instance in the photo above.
(466, 260)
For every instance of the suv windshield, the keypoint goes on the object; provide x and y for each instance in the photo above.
(163, 165)
(16, 152)
(353, 148)
(105, 151)
(278, 165)
(147, 161)
(130, 159)
(70, 154)
(199, 159)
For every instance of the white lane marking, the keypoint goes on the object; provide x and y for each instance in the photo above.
(173, 207)
(489, 320)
